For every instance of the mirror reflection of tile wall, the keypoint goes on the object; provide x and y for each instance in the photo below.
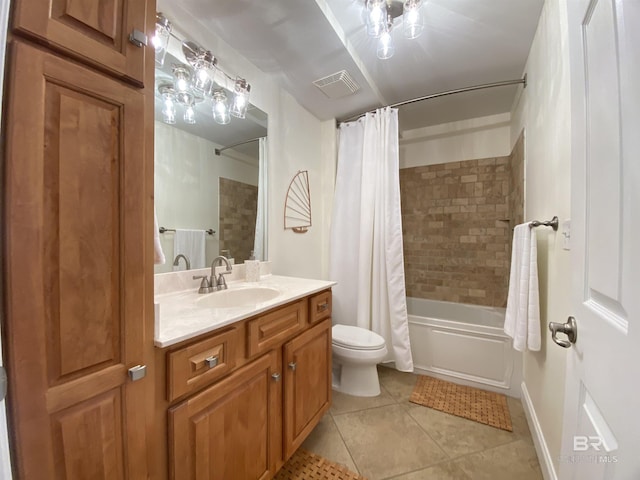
(238, 206)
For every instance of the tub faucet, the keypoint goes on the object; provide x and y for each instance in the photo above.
(176, 261)
(220, 283)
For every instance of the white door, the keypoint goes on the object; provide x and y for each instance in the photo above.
(601, 436)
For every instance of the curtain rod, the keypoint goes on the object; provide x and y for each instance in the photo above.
(504, 83)
(220, 150)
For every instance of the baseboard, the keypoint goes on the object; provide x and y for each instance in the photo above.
(542, 450)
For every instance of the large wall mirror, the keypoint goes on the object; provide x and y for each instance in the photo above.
(207, 176)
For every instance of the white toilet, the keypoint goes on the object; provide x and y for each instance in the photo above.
(356, 352)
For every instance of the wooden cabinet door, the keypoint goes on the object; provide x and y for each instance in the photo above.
(229, 431)
(97, 31)
(74, 268)
(307, 386)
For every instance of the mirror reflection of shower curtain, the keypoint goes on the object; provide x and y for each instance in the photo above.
(260, 242)
(366, 257)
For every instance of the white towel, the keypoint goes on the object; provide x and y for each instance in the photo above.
(190, 243)
(158, 254)
(522, 320)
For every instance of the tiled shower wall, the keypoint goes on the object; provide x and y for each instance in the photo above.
(238, 206)
(457, 220)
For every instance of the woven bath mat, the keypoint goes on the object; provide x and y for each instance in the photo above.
(479, 405)
(305, 465)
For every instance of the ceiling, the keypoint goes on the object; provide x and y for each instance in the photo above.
(465, 43)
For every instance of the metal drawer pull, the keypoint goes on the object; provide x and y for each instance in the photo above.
(276, 377)
(138, 372)
(293, 366)
(323, 306)
(211, 361)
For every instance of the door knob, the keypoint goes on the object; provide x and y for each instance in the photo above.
(570, 329)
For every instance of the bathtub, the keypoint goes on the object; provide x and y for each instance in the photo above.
(464, 344)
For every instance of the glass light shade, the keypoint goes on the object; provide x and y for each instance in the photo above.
(202, 80)
(412, 21)
(220, 108)
(169, 111)
(181, 75)
(160, 40)
(386, 47)
(190, 115)
(376, 16)
(240, 98)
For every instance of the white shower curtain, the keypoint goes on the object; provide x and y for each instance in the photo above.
(260, 240)
(366, 234)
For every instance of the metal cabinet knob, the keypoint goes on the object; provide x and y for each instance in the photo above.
(292, 366)
(276, 377)
(211, 361)
(570, 329)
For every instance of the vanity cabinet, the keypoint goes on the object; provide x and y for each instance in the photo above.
(245, 424)
(95, 31)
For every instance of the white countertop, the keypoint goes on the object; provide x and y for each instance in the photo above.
(178, 316)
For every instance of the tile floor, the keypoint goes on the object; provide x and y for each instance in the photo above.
(387, 437)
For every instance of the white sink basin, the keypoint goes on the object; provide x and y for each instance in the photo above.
(237, 297)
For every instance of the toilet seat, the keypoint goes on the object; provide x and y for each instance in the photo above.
(356, 338)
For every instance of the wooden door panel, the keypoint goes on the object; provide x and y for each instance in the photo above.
(74, 267)
(225, 432)
(88, 439)
(307, 363)
(95, 30)
(82, 231)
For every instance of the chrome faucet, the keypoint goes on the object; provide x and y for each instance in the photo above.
(211, 284)
(176, 261)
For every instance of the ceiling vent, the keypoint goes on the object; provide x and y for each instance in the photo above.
(337, 85)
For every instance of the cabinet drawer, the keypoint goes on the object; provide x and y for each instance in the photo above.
(197, 365)
(269, 330)
(320, 307)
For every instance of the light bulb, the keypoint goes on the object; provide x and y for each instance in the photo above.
(190, 115)
(375, 17)
(160, 40)
(240, 98)
(220, 108)
(386, 48)
(412, 21)
(169, 111)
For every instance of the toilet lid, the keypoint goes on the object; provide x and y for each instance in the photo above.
(356, 338)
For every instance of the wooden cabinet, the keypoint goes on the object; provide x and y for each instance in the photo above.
(75, 263)
(245, 425)
(229, 431)
(96, 31)
(307, 387)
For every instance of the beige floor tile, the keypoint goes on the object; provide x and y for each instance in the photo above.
(516, 460)
(518, 418)
(442, 471)
(343, 403)
(398, 384)
(458, 436)
(386, 441)
(325, 440)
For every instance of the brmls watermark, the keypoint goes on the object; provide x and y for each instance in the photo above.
(584, 443)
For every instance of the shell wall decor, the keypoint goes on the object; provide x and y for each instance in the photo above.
(297, 205)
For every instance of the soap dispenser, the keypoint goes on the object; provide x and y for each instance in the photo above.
(252, 269)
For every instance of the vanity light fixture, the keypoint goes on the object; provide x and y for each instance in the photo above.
(379, 17)
(160, 40)
(198, 79)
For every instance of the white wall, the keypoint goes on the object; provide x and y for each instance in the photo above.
(543, 110)
(297, 141)
(187, 173)
(482, 137)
